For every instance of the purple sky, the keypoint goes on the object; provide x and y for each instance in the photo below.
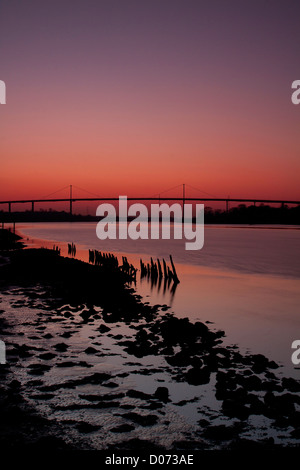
(137, 96)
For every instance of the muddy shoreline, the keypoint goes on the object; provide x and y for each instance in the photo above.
(91, 367)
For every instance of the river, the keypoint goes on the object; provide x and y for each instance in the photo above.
(245, 279)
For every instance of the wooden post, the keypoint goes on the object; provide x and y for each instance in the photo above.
(174, 270)
(159, 268)
(165, 269)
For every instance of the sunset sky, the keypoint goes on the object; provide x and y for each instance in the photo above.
(133, 97)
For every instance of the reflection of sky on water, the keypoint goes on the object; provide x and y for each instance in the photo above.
(245, 280)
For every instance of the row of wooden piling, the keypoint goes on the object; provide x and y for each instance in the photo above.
(71, 249)
(109, 260)
(56, 249)
(155, 270)
(158, 270)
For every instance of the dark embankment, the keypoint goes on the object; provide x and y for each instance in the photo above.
(9, 240)
(74, 281)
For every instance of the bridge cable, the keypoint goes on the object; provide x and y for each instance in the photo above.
(51, 194)
(167, 190)
(200, 190)
(88, 192)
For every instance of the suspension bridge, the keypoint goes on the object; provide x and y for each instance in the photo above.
(159, 197)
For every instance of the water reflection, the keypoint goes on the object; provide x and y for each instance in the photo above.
(158, 275)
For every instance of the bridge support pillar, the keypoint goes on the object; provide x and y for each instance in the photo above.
(9, 207)
(32, 206)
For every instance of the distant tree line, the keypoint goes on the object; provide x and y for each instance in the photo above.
(241, 214)
(258, 214)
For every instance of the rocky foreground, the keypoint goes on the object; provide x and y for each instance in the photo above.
(89, 366)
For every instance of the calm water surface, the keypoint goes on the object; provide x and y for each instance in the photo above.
(246, 280)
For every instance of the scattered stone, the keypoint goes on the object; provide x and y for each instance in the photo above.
(291, 384)
(90, 350)
(234, 409)
(110, 385)
(43, 396)
(67, 334)
(222, 432)
(123, 428)
(197, 376)
(38, 369)
(61, 347)
(138, 394)
(143, 420)
(86, 428)
(47, 356)
(67, 364)
(162, 393)
(103, 328)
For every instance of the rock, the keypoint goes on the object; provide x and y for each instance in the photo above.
(90, 350)
(86, 428)
(97, 398)
(271, 386)
(103, 328)
(67, 364)
(14, 384)
(281, 404)
(86, 315)
(43, 396)
(110, 385)
(295, 434)
(67, 334)
(181, 359)
(84, 364)
(138, 394)
(143, 420)
(273, 365)
(68, 314)
(61, 347)
(291, 384)
(234, 409)
(47, 356)
(117, 337)
(252, 383)
(153, 405)
(197, 376)
(123, 428)
(162, 394)
(38, 369)
(261, 363)
(221, 432)
(203, 423)
(257, 406)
